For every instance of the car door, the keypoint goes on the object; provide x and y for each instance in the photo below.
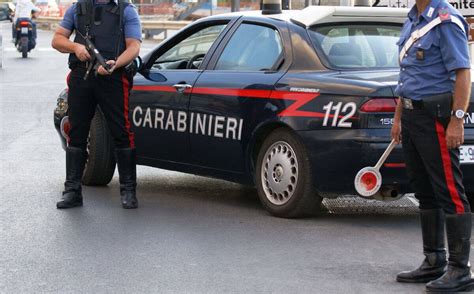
(160, 97)
(227, 95)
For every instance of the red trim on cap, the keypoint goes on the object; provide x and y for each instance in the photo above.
(448, 171)
(126, 87)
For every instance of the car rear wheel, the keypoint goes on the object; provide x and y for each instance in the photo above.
(100, 166)
(284, 176)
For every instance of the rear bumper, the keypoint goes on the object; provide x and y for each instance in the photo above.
(337, 156)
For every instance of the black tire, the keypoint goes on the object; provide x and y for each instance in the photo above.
(24, 51)
(302, 199)
(100, 166)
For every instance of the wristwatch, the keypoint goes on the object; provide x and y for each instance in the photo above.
(458, 113)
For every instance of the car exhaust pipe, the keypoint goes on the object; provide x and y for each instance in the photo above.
(387, 192)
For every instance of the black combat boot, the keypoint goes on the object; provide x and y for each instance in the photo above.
(128, 176)
(75, 161)
(434, 265)
(458, 277)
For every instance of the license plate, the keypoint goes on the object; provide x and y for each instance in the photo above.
(24, 30)
(466, 154)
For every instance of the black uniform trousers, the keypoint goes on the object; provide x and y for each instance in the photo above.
(111, 94)
(433, 169)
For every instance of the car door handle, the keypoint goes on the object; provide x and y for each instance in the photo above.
(180, 88)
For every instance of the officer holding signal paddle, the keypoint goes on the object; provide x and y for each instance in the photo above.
(434, 90)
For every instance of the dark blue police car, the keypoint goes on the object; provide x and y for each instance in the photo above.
(294, 103)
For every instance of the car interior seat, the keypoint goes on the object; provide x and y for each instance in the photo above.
(345, 55)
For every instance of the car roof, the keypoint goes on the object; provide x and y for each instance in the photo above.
(313, 15)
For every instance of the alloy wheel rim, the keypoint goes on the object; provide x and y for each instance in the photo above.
(279, 173)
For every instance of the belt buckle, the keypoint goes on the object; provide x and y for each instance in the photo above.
(407, 104)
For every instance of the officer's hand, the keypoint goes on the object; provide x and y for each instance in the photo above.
(396, 131)
(81, 53)
(102, 71)
(455, 133)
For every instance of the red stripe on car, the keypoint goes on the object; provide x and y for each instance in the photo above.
(394, 165)
(300, 98)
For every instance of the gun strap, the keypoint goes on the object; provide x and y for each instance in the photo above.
(84, 11)
(121, 8)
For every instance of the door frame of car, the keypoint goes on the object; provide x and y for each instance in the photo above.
(280, 26)
(188, 31)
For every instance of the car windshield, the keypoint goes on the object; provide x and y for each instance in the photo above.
(357, 45)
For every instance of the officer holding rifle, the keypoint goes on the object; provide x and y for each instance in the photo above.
(434, 90)
(107, 40)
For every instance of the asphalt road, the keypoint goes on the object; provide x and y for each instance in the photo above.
(190, 234)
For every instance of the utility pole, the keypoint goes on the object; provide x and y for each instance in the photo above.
(234, 5)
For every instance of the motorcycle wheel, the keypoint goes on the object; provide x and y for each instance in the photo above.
(24, 50)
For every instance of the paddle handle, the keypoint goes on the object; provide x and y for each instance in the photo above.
(385, 155)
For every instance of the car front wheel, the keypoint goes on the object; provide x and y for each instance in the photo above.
(284, 176)
(100, 166)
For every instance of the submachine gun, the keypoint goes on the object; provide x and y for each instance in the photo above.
(96, 58)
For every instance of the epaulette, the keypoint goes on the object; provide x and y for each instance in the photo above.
(444, 14)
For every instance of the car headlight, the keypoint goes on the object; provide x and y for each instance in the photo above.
(61, 105)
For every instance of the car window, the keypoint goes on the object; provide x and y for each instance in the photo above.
(251, 48)
(358, 46)
(196, 45)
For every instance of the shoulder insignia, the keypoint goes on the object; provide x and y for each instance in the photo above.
(444, 14)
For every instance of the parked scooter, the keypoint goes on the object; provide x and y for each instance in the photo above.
(25, 39)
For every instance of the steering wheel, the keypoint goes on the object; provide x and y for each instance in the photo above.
(191, 61)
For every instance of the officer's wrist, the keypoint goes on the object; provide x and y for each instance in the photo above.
(457, 120)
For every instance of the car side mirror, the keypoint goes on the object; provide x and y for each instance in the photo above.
(154, 76)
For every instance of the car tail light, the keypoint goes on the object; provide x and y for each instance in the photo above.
(24, 23)
(379, 105)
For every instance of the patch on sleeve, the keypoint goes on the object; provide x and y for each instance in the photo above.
(444, 14)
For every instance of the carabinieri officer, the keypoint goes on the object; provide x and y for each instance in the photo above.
(434, 90)
(114, 27)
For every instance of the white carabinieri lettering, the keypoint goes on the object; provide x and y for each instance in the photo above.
(194, 122)
(469, 119)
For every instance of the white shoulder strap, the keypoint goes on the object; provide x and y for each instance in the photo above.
(416, 35)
